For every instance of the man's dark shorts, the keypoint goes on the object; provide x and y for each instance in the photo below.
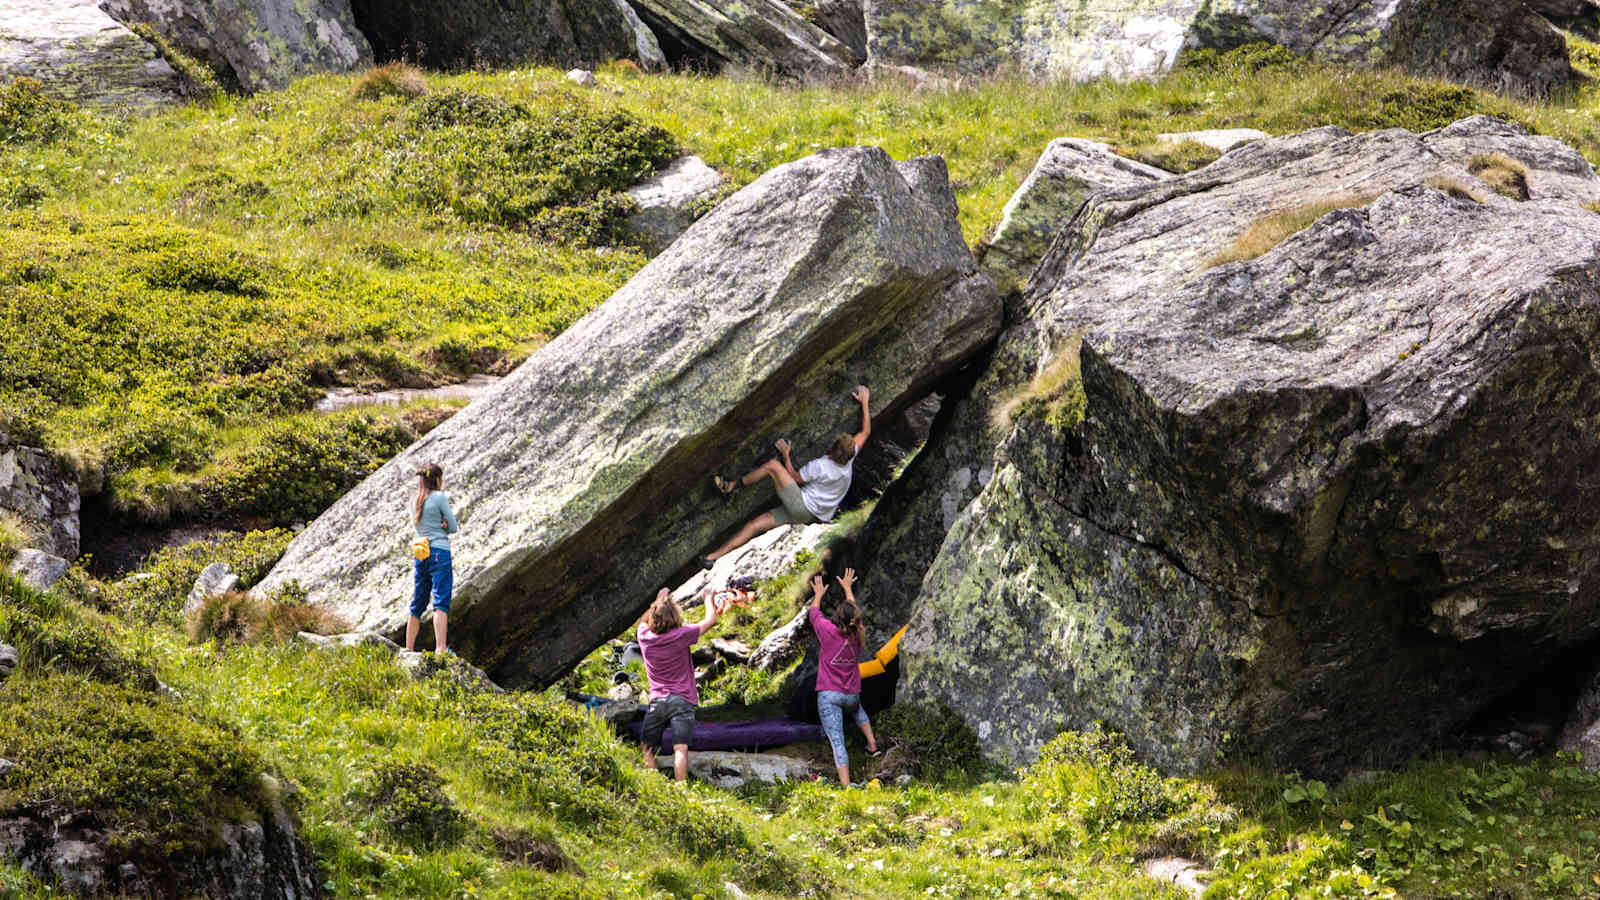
(671, 711)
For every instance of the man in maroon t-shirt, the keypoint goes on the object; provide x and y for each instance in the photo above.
(665, 643)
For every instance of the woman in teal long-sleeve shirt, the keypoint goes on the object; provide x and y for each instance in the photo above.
(436, 521)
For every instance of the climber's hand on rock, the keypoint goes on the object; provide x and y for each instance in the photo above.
(861, 394)
(818, 586)
(847, 579)
(783, 446)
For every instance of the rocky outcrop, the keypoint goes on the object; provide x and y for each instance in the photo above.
(475, 33)
(9, 660)
(766, 556)
(1325, 503)
(37, 569)
(1070, 170)
(34, 488)
(759, 35)
(1552, 170)
(1505, 45)
(1581, 733)
(845, 20)
(255, 44)
(263, 858)
(76, 52)
(1221, 140)
(583, 480)
(668, 200)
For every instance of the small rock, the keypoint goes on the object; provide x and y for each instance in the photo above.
(918, 79)
(1219, 139)
(344, 641)
(168, 692)
(582, 77)
(6, 766)
(736, 652)
(1185, 873)
(9, 660)
(422, 665)
(667, 199)
(214, 579)
(38, 569)
(734, 891)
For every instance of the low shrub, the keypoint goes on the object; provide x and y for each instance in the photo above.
(1274, 228)
(50, 635)
(409, 803)
(936, 741)
(394, 79)
(1247, 59)
(165, 578)
(1094, 778)
(298, 467)
(28, 116)
(159, 778)
(237, 617)
(600, 222)
(1421, 106)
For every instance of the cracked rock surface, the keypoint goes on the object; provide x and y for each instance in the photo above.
(1324, 504)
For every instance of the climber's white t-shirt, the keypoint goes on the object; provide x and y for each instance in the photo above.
(826, 483)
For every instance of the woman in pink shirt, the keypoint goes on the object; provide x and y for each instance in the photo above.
(665, 643)
(841, 636)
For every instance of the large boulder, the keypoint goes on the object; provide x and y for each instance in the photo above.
(1505, 45)
(465, 34)
(1581, 732)
(37, 569)
(255, 44)
(759, 35)
(583, 480)
(76, 52)
(1070, 170)
(35, 488)
(1323, 505)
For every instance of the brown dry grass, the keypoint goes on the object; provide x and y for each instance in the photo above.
(1055, 394)
(1274, 228)
(1504, 175)
(1455, 187)
(394, 79)
(237, 617)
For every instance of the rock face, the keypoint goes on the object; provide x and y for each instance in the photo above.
(78, 53)
(459, 35)
(1581, 733)
(761, 35)
(37, 569)
(583, 480)
(263, 859)
(1506, 45)
(847, 21)
(33, 487)
(667, 201)
(255, 44)
(767, 555)
(730, 770)
(1325, 504)
(1069, 171)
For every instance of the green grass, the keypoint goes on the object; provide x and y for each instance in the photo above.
(179, 286)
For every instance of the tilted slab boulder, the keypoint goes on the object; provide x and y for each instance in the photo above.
(1487, 41)
(255, 44)
(76, 52)
(761, 35)
(583, 480)
(1324, 505)
(507, 32)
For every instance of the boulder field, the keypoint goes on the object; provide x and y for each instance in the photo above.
(1504, 45)
(1329, 492)
(583, 480)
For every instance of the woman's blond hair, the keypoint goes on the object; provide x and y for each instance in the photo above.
(665, 615)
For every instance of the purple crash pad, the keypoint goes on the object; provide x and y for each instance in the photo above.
(747, 736)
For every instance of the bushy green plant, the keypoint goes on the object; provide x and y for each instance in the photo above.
(28, 116)
(1093, 777)
(1247, 59)
(165, 578)
(1423, 106)
(409, 802)
(52, 635)
(15, 534)
(936, 741)
(156, 776)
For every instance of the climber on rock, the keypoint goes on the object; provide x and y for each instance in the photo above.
(811, 494)
(665, 643)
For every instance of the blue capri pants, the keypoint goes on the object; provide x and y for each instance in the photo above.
(831, 709)
(432, 576)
